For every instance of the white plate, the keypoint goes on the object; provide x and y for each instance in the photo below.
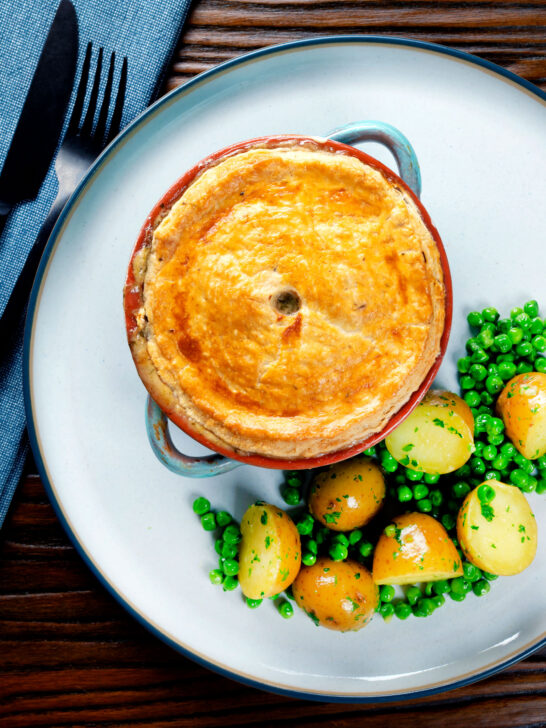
(479, 136)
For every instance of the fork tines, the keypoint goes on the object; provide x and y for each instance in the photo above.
(100, 133)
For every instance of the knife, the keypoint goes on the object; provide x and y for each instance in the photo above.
(40, 124)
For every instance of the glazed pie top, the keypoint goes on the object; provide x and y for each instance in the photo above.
(290, 302)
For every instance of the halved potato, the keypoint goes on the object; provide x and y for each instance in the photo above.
(522, 406)
(269, 553)
(347, 495)
(420, 550)
(500, 536)
(339, 595)
(437, 437)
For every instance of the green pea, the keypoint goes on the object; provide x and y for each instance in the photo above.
(463, 472)
(516, 335)
(500, 462)
(223, 518)
(503, 343)
(441, 587)
(413, 594)
(424, 505)
(472, 398)
(354, 537)
(402, 610)
(475, 319)
(457, 597)
(460, 489)
(490, 314)
(253, 603)
(448, 522)
(404, 494)
(477, 465)
(541, 486)
(530, 485)
(531, 308)
(523, 368)
(486, 398)
(481, 421)
(494, 384)
(420, 491)
(485, 339)
(515, 312)
(208, 521)
(338, 551)
(491, 475)
(388, 463)
(386, 610)
(291, 496)
(305, 526)
(471, 573)
(539, 343)
(438, 601)
(479, 356)
(508, 450)
(413, 474)
(472, 345)
(365, 549)
(232, 534)
(540, 365)
(201, 506)
(495, 439)
(494, 426)
(436, 497)
(489, 452)
(216, 576)
(308, 558)
(524, 463)
(504, 325)
(460, 585)
(371, 452)
(424, 607)
(230, 583)
(536, 326)
(463, 364)
(229, 550)
(285, 609)
(477, 372)
(524, 349)
(231, 567)
(481, 587)
(467, 382)
(386, 593)
(488, 576)
(507, 370)
(431, 478)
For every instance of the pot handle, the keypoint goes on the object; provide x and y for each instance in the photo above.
(389, 136)
(157, 427)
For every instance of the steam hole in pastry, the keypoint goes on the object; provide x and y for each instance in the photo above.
(286, 301)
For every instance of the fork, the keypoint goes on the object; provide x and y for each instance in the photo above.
(83, 141)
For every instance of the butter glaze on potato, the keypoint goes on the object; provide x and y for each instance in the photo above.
(292, 300)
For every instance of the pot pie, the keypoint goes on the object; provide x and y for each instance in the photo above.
(287, 303)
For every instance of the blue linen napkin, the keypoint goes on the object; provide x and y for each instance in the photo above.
(146, 32)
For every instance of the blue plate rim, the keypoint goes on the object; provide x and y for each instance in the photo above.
(144, 117)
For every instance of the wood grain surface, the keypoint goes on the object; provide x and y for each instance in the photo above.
(69, 655)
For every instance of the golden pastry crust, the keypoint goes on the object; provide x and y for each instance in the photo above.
(291, 301)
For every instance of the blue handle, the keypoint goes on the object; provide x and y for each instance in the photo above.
(163, 447)
(394, 140)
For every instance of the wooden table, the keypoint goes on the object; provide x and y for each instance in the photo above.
(69, 655)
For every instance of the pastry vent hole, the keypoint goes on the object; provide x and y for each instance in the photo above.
(286, 301)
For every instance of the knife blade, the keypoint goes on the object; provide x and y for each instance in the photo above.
(40, 124)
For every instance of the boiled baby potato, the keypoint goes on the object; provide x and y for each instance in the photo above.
(522, 406)
(339, 595)
(269, 553)
(496, 529)
(418, 550)
(437, 437)
(347, 495)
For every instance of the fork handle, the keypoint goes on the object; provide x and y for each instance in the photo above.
(16, 306)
